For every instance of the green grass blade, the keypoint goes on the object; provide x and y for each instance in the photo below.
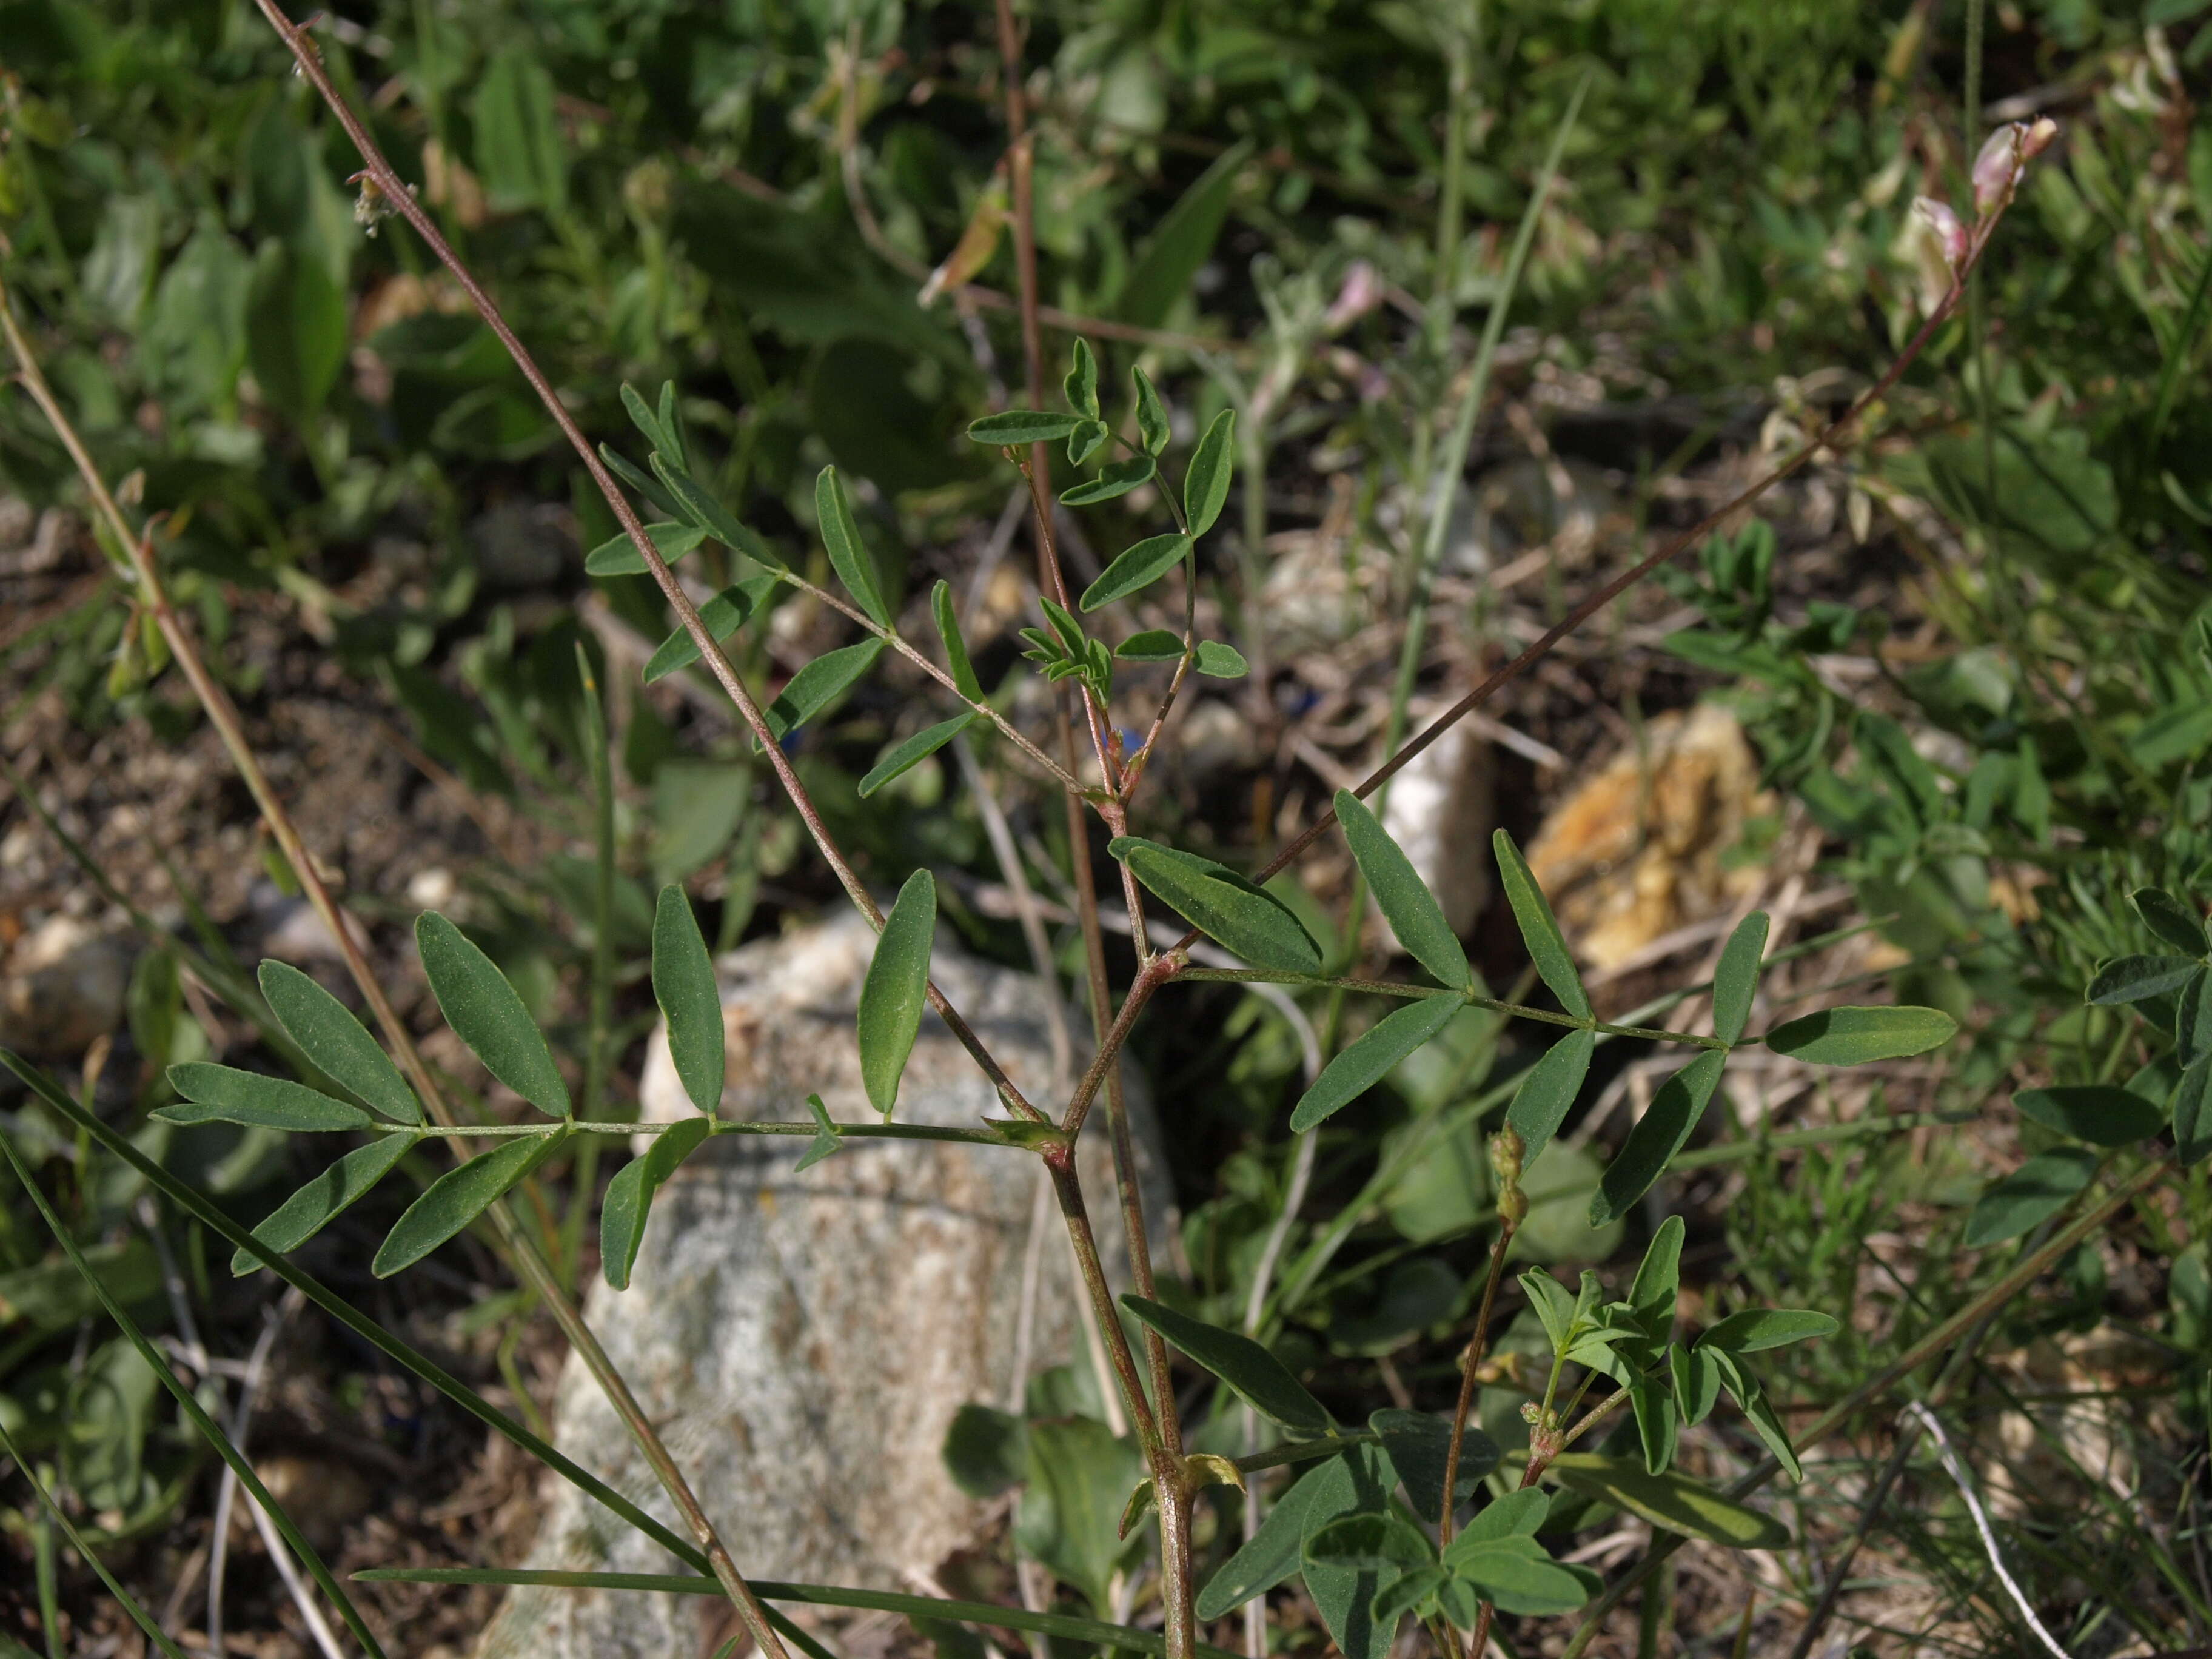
(690, 1001)
(896, 989)
(337, 1043)
(486, 1013)
(189, 1402)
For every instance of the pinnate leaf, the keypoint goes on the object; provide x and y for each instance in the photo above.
(618, 555)
(331, 1037)
(629, 1195)
(1153, 428)
(840, 537)
(2139, 979)
(820, 683)
(957, 662)
(458, 1197)
(1366, 1062)
(1856, 1037)
(1136, 568)
(1661, 1132)
(1256, 1375)
(896, 989)
(1735, 982)
(904, 756)
(1012, 428)
(1548, 1089)
(319, 1203)
(220, 1094)
(487, 1014)
(1116, 478)
(1672, 1502)
(1755, 1329)
(1412, 910)
(1540, 928)
(1219, 661)
(722, 616)
(690, 1001)
(1221, 904)
(1206, 486)
(2096, 1113)
(2038, 1190)
(2170, 918)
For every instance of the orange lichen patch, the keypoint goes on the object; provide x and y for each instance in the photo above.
(1639, 849)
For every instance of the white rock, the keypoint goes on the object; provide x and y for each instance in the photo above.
(803, 1340)
(1441, 811)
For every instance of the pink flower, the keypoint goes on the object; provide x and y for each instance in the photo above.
(1950, 234)
(1361, 293)
(2004, 158)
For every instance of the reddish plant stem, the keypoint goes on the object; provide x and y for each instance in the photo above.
(1470, 1363)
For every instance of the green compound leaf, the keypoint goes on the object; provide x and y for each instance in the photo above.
(659, 428)
(1659, 1279)
(1758, 1410)
(1153, 645)
(1136, 568)
(695, 503)
(690, 1001)
(820, 683)
(947, 616)
(2039, 1188)
(331, 1037)
(1696, 1376)
(487, 1014)
(2096, 1113)
(319, 1203)
(1540, 928)
(722, 616)
(1412, 910)
(2139, 979)
(1011, 428)
(1661, 1132)
(217, 1094)
(1517, 1574)
(1658, 1422)
(896, 989)
(2192, 1113)
(1219, 661)
(1366, 1062)
(1273, 1553)
(1085, 440)
(618, 555)
(1548, 1089)
(1382, 1544)
(1419, 1443)
(2170, 918)
(1081, 383)
(1206, 486)
(1672, 1501)
(840, 537)
(1735, 982)
(458, 1197)
(629, 1196)
(1114, 479)
(1153, 428)
(1856, 1037)
(655, 493)
(904, 756)
(1256, 1375)
(1512, 1515)
(1222, 904)
(1755, 1329)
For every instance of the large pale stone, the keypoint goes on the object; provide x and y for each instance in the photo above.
(803, 1340)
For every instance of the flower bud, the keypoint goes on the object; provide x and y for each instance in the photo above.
(1950, 234)
(2003, 161)
(1361, 293)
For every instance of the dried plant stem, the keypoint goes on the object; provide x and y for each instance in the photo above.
(223, 716)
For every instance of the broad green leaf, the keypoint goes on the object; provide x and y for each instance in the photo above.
(1517, 1513)
(1672, 1502)
(1114, 479)
(904, 756)
(1077, 1479)
(1344, 1596)
(1366, 1062)
(2039, 1188)
(1217, 901)
(2192, 1113)
(1271, 1555)
(629, 1194)
(1412, 910)
(1554, 1307)
(218, 1094)
(518, 135)
(2139, 979)
(1381, 1544)
(840, 537)
(1696, 1376)
(319, 1203)
(1661, 1132)
(1754, 1329)
(896, 989)
(1517, 1575)
(1659, 1279)
(1737, 1378)
(2192, 1019)
(486, 1013)
(694, 502)
(1737, 979)
(829, 1139)
(1539, 929)
(1419, 1443)
(1405, 1594)
(985, 1451)
(1219, 661)
(1856, 1037)
(618, 555)
(690, 1001)
(1080, 385)
(1086, 440)
(2170, 918)
(820, 683)
(1547, 1090)
(1165, 270)
(458, 1197)
(331, 1037)
(956, 648)
(1010, 428)
(1136, 568)
(1153, 645)
(1256, 1375)
(1459, 1600)
(2102, 1115)
(722, 616)
(1658, 1420)
(1205, 485)
(295, 331)
(1153, 428)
